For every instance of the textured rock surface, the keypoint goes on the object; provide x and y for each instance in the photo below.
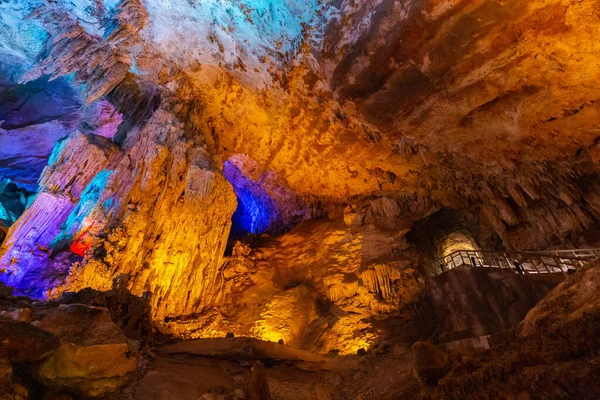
(286, 315)
(258, 386)
(118, 207)
(94, 357)
(13, 201)
(64, 350)
(557, 359)
(359, 88)
(6, 377)
(21, 341)
(430, 364)
(568, 302)
(130, 313)
(262, 288)
(470, 302)
(374, 113)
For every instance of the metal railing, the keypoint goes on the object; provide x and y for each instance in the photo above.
(524, 262)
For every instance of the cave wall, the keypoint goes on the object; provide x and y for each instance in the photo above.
(387, 110)
(155, 210)
(355, 100)
(472, 302)
(318, 287)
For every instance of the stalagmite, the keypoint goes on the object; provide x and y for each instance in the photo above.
(258, 385)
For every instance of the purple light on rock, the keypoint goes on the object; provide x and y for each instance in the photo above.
(27, 261)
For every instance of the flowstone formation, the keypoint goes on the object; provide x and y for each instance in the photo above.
(122, 215)
(294, 171)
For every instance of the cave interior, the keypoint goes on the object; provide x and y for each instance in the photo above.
(299, 199)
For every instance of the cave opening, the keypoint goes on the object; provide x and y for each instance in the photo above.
(441, 234)
(256, 211)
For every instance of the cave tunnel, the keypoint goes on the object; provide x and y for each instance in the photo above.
(441, 234)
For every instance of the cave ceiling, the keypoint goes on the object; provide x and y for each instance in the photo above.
(439, 103)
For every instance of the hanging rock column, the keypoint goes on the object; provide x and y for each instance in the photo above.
(157, 211)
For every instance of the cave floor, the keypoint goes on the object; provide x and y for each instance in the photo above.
(190, 376)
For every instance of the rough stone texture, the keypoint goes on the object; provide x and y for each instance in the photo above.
(354, 297)
(361, 89)
(26, 253)
(286, 316)
(568, 302)
(430, 364)
(6, 377)
(378, 112)
(119, 207)
(258, 385)
(13, 201)
(94, 356)
(21, 341)
(321, 393)
(129, 312)
(555, 360)
(5, 291)
(33, 117)
(470, 302)
(460, 240)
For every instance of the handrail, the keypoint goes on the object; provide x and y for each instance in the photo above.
(557, 251)
(522, 262)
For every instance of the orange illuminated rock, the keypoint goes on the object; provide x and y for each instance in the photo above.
(286, 316)
(94, 357)
(157, 211)
(375, 113)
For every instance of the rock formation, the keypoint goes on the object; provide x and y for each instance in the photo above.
(125, 199)
(301, 116)
(94, 357)
(258, 386)
(292, 170)
(430, 364)
(76, 349)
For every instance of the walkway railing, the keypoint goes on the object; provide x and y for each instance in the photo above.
(524, 262)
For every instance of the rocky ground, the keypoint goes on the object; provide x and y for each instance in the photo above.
(100, 345)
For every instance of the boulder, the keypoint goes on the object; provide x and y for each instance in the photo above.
(131, 313)
(568, 302)
(94, 357)
(20, 341)
(430, 365)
